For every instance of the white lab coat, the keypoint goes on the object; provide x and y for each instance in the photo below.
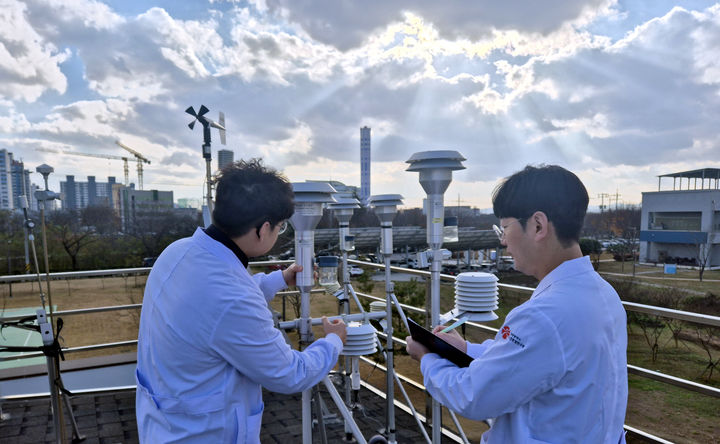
(556, 371)
(207, 344)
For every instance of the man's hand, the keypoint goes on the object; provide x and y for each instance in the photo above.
(415, 349)
(337, 326)
(290, 272)
(452, 337)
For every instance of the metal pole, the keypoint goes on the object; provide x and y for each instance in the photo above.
(53, 375)
(208, 178)
(27, 251)
(343, 410)
(9, 242)
(428, 398)
(304, 244)
(306, 417)
(305, 340)
(25, 229)
(435, 218)
(45, 255)
(319, 415)
(412, 408)
(345, 362)
(387, 242)
(435, 319)
(400, 311)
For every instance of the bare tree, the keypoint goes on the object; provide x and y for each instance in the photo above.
(613, 222)
(673, 298)
(10, 227)
(102, 218)
(72, 234)
(652, 328)
(708, 338)
(702, 256)
(157, 228)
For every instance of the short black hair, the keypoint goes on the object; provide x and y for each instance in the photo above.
(249, 194)
(551, 189)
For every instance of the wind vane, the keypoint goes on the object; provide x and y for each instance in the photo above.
(207, 123)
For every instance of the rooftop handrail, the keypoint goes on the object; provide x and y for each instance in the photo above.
(690, 316)
(646, 373)
(16, 278)
(699, 318)
(630, 306)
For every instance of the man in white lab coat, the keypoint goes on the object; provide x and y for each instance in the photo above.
(556, 372)
(207, 343)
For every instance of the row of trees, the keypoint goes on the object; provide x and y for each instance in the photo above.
(621, 222)
(611, 224)
(93, 238)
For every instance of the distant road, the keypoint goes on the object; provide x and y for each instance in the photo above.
(650, 284)
(637, 275)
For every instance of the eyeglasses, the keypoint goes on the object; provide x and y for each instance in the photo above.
(500, 231)
(283, 227)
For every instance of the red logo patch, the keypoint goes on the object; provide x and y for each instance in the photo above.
(505, 332)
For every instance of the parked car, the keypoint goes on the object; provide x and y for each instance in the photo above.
(450, 269)
(148, 261)
(506, 263)
(485, 266)
(626, 256)
(356, 271)
(287, 254)
(370, 258)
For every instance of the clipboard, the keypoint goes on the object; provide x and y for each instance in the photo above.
(437, 345)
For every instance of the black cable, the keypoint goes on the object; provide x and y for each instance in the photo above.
(52, 351)
(26, 323)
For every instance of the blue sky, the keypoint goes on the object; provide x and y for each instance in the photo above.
(617, 91)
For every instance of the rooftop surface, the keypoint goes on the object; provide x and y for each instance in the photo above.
(110, 418)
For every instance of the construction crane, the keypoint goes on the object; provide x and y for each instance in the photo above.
(99, 156)
(140, 159)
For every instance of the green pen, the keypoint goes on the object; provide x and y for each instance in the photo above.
(458, 323)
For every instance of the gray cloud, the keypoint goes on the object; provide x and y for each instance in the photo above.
(347, 25)
(179, 158)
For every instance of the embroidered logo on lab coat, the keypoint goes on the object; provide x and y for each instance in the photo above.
(505, 332)
(515, 339)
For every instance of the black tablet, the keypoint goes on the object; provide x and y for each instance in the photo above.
(437, 345)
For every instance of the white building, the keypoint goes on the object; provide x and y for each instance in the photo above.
(682, 225)
(6, 188)
(77, 195)
(225, 157)
(21, 185)
(364, 164)
(139, 208)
